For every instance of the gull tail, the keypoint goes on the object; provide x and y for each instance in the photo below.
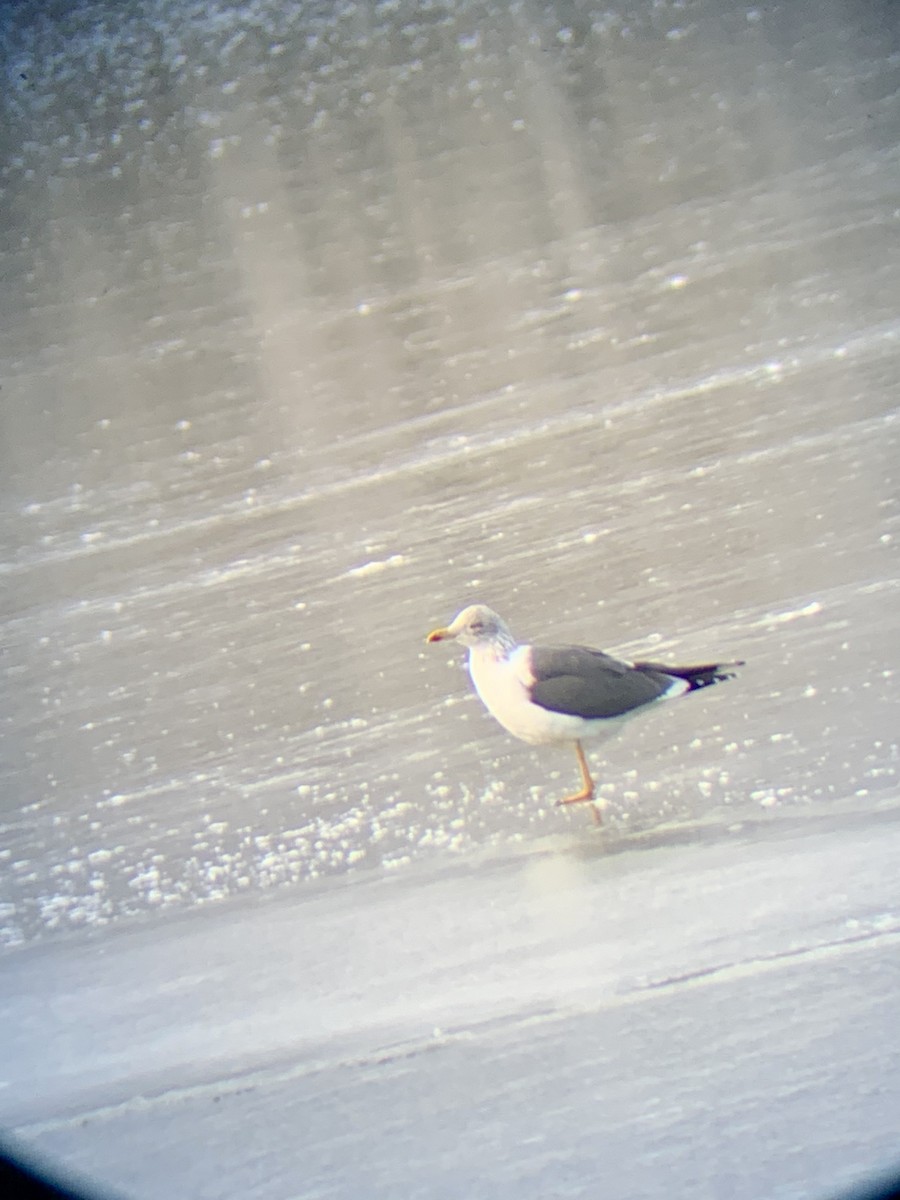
(695, 677)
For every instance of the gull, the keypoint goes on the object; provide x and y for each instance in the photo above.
(556, 694)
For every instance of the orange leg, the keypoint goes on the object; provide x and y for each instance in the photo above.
(586, 795)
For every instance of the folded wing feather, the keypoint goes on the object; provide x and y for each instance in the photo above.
(588, 683)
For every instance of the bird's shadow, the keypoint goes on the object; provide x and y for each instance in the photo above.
(609, 840)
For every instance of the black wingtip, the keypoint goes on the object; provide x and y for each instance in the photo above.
(701, 677)
(697, 677)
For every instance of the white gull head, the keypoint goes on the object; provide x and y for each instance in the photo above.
(477, 627)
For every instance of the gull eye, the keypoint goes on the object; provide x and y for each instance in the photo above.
(477, 627)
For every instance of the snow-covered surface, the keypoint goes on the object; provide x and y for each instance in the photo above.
(318, 322)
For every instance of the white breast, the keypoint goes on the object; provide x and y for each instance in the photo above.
(504, 686)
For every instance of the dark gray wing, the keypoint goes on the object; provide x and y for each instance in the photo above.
(588, 683)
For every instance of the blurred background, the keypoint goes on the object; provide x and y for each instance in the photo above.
(320, 321)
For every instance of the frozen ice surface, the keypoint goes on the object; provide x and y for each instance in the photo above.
(316, 322)
(697, 1013)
